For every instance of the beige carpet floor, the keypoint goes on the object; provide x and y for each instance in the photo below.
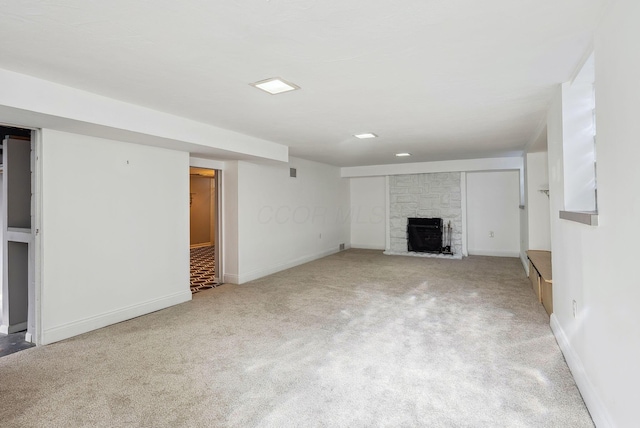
(356, 339)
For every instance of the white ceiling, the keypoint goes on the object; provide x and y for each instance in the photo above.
(441, 79)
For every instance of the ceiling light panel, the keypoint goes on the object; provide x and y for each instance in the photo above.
(365, 135)
(401, 155)
(275, 86)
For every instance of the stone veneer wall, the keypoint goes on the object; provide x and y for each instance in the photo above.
(425, 195)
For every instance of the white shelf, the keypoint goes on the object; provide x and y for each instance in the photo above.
(590, 218)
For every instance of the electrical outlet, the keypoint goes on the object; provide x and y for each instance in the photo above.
(491, 234)
(575, 309)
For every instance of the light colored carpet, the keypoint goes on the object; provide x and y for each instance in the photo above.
(355, 339)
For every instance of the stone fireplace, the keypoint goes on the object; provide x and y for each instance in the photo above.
(434, 195)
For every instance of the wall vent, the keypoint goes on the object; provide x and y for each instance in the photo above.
(341, 247)
(292, 172)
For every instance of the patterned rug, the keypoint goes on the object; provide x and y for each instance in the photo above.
(203, 268)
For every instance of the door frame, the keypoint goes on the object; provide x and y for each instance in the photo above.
(218, 225)
(35, 309)
(213, 215)
(218, 167)
(34, 283)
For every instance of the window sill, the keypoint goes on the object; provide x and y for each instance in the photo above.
(590, 218)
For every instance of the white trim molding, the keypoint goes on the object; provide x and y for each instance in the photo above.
(463, 165)
(494, 253)
(594, 403)
(259, 273)
(75, 328)
(367, 247)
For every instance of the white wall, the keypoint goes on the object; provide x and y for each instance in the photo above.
(230, 249)
(537, 205)
(492, 206)
(524, 220)
(115, 232)
(597, 265)
(535, 223)
(206, 163)
(524, 239)
(284, 221)
(368, 212)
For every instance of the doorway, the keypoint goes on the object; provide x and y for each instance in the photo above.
(17, 238)
(204, 236)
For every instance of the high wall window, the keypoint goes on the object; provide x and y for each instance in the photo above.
(579, 141)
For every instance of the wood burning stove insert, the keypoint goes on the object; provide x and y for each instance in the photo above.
(424, 235)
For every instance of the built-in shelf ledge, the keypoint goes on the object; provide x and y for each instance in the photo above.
(589, 218)
(19, 229)
(19, 234)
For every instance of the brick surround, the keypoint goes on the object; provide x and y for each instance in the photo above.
(424, 195)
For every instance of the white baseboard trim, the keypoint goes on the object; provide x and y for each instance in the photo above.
(75, 328)
(259, 273)
(230, 278)
(494, 253)
(13, 328)
(594, 403)
(368, 247)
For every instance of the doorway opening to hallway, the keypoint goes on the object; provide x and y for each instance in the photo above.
(204, 235)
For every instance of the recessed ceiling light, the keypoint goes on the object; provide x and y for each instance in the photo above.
(402, 154)
(275, 86)
(365, 135)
